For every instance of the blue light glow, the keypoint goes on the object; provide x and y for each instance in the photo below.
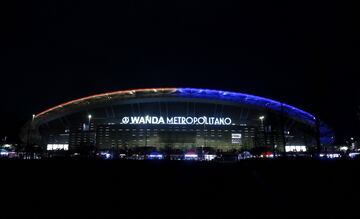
(247, 99)
(353, 155)
(155, 156)
(106, 155)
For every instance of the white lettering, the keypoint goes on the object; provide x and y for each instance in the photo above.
(142, 120)
(178, 120)
(227, 121)
(201, 120)
(211, 120)
(222, 121)
(189, 120)
(134, 120)
(148, 120)
(183, 120)
(170, 120)
(154, 120)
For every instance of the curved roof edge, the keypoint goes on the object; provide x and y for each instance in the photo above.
(248, 99)
(237, 97)
(121, 92)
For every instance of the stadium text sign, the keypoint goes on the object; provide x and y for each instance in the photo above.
(177, 120)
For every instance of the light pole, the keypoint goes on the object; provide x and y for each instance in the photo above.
(146, 138)
(205, 139)
(89, 136)
(262, 127)
(352, 144)
(89, 116)
(29, 135)
(262, 119)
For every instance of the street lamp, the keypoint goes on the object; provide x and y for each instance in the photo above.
(262, 122)
(263, 128)
(89, 116)
(262, 118)
(29, 135)
(89, 136)
(352, 143)
(205, 139)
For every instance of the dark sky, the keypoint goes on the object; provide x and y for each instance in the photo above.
(300, 52)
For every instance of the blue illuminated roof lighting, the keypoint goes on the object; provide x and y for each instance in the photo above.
(249, 100)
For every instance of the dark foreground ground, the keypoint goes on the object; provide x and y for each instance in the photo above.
(152, 189)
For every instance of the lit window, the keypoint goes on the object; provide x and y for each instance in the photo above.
(55, 147)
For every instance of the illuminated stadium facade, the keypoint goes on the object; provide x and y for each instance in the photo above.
(176, 120)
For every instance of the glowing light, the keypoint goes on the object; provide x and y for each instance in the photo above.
(176, 120)
(106, 155)
(155, 156)
(245, 155)
(344, 148)
(247, 99)
(353, 155)
(7, 146)
(295, 148)
(209, 157)
(267, 155)
(56, 147)
(194, 92)
(4, 153)
(191, 156)
(330, 156)
(108, 94)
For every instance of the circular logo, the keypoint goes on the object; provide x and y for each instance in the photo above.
(125, 120)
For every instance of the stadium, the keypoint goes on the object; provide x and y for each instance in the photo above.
(175, 121)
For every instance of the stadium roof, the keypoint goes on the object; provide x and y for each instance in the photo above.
(235, 97)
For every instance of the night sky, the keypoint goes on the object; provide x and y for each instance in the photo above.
(303, 53)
